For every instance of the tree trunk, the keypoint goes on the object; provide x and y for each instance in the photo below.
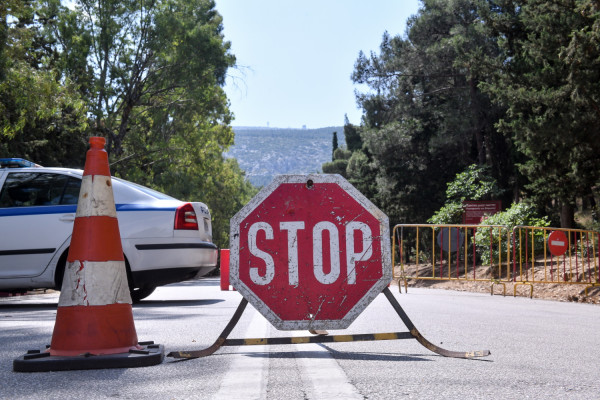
(478, 128)
(593, 206)
(567, 216)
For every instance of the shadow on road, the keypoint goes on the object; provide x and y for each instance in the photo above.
(340, 355)
(210, 281)
(176, 303)
(44, 305)
(30, 306)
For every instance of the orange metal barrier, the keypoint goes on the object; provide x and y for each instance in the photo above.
(495, 254)
(534, 262)
(451, 252)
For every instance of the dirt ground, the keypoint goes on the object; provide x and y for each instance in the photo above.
(548, 291)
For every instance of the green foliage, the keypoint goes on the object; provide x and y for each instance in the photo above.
(334, 145)
(475, 183)
(424, 117)
(335, 167)
(145, 67)
(191, 167)
(512, 85)
(361, 174)
(224, 190)
(153, 72)
(147, 75)
(342, 154)
(231, 191)
(352, 136)
(3, 39)
(41, 118)
(519, 214)
(547, 77)
(339, 159)
(339, 163)
(450, 213)
(402, 171)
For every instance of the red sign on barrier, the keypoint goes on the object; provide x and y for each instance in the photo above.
(558, 243)
(310, 252)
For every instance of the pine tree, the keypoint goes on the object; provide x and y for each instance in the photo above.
(335, 144)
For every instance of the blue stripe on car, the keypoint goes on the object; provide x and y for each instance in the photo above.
(65, 209)
(37, 210)
(144, 207)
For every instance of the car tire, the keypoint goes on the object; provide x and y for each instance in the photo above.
(141, 293)
(59, 272)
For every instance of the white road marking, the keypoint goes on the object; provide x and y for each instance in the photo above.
(247, 376)
(322, 375)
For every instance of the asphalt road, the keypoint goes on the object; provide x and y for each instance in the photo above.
(540, 349)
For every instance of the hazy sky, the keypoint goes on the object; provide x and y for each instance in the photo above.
(295, 58)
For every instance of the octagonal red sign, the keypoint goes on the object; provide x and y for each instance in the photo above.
(310, 252)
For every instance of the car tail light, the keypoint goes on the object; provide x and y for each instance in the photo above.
(185, 218)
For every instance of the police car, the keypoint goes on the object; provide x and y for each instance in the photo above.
(165, 240)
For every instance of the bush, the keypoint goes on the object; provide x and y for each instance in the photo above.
(341, 154)
(450, 213)
(475, 183)
(335, 167)
(518, 214)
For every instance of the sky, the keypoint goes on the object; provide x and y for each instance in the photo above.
(295, 58)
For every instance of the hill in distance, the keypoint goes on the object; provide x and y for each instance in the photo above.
(265, 152)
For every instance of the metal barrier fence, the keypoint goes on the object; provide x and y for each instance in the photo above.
(525, 255)
(573, 260)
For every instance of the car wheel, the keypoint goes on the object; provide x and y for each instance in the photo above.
(141, 293)
(59, 272)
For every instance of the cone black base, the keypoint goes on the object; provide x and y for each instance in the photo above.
(42, 361)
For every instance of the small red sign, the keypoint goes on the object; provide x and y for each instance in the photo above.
(558, 243)
(475, 210)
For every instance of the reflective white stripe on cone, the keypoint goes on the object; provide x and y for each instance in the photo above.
(99, 199)
(95, 283)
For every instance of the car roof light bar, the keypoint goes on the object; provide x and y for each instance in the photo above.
(17, 163)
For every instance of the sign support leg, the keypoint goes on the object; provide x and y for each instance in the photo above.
(188, 355)
(324, 337)
(426, 343)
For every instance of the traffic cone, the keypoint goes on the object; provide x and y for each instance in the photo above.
(94, 325)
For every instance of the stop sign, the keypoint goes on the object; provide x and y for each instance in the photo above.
(310, 252)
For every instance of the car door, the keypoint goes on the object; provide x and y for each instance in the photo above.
(37, 210)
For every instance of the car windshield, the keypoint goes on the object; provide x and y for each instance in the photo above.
(144, 189)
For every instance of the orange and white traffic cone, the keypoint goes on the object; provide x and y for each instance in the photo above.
(94, 315)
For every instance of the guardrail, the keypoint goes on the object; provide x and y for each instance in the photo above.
(496, 254)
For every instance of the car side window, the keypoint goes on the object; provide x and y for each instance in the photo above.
(71, 192)
(25, 189)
